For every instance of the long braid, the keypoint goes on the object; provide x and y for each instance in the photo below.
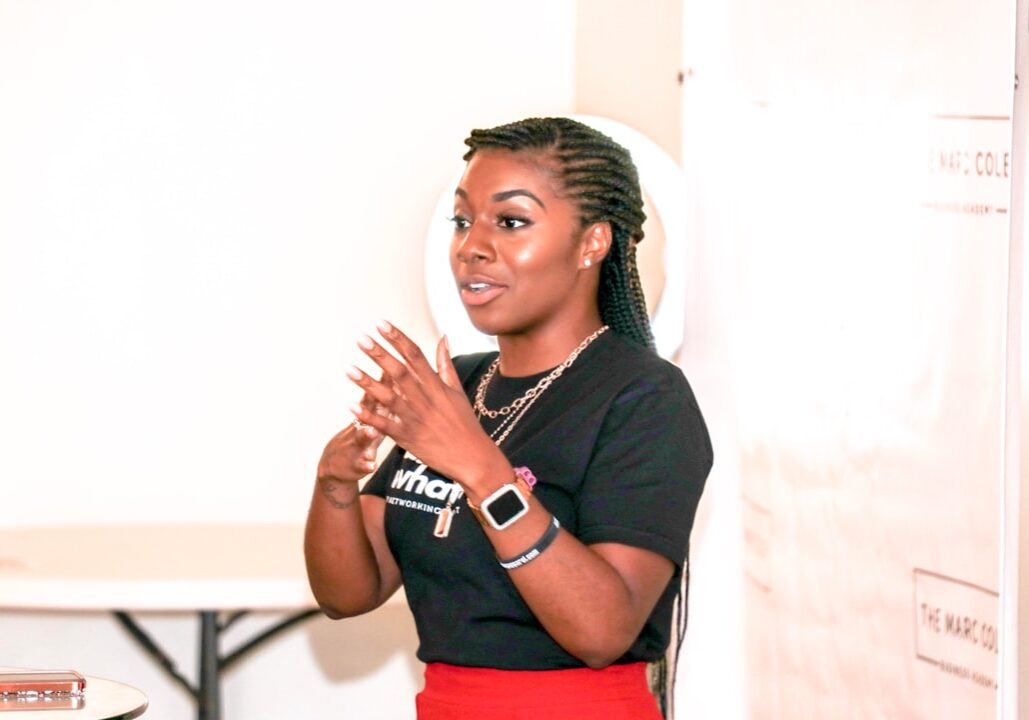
(598, 174)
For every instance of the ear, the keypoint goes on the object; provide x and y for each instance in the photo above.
(596, 241)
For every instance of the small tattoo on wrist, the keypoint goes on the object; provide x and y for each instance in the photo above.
(331, 486)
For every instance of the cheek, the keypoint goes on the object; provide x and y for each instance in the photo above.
(526, 256)
(549, 255)
(452, 257)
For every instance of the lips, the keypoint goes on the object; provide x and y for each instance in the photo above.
(479, 289)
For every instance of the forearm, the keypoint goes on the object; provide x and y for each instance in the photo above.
(341, 564)
(576, 594)
(593, 600)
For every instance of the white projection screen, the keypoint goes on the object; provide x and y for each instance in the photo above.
(860, 217)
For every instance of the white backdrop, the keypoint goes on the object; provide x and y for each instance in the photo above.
(202, 205)
(853, 161)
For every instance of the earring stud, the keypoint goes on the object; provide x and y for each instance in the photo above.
(587, 262)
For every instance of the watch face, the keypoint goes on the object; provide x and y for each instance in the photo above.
(505, 507)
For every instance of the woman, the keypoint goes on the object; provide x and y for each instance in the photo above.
(538, 504)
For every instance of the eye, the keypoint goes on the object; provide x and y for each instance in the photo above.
(512, 222)
(460, 222)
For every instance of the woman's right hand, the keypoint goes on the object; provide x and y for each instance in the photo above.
(350, 454)
(349, 564)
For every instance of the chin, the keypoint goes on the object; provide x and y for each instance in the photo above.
(486, 328)
(488, 324)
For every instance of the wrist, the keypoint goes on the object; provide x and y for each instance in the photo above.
(340, 494)
(486, 476)
(336, 480)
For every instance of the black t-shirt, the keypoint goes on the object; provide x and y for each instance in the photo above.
(620, 452)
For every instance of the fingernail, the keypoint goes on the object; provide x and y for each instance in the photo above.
(356, 411)
(446, 343)
(365, 343)
(353, 373)
(384, 327)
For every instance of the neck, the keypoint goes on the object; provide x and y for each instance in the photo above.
(540, 349)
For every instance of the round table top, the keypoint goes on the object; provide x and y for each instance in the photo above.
(154, 567)
(102, 700)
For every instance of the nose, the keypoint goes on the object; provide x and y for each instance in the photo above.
(475, 245)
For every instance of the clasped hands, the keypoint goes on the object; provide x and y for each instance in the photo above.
(424, 410)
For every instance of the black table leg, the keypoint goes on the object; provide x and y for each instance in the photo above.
(209, 692)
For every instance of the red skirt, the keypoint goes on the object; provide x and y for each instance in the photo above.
(618, 692)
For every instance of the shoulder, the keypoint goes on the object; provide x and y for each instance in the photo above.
(651, 458)
(649, 395)
(629, 371)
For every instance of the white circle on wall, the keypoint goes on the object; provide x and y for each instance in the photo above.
(661, 179)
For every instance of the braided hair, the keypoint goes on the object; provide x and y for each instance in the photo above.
(598, 175)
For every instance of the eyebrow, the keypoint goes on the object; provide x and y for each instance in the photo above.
(506, 194)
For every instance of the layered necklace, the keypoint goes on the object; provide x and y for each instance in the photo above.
(512, 412)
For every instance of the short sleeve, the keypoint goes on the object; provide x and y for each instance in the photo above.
(648, 469)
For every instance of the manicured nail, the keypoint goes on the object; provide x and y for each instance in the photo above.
(353, 373)
(356, 411)
(365, 343)
(446, 343)
(384, 327)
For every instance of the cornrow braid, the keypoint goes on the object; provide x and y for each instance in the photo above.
(599, 176)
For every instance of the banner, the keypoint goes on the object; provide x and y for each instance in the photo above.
(870, 163)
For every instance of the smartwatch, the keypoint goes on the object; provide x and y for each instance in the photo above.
(505, 505)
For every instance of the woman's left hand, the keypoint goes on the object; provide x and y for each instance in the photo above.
(428, 412)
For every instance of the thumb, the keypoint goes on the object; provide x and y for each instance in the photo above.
(445, 367)
(374, 439)
(368, 440)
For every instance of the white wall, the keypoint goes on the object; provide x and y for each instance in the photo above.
(202, 204)
(637, 83)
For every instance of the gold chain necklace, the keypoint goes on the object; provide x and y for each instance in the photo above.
(513, 412)
(519, 404)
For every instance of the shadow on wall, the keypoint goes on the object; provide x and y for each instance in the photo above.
(357, 647)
